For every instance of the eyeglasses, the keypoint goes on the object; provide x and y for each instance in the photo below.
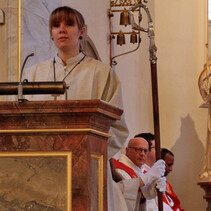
(140, 149)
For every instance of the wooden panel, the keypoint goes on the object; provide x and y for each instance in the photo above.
(76, 127)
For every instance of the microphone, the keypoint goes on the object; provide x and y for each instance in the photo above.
(20, 85)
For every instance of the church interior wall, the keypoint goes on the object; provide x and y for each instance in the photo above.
(180, 35)
(180, 39)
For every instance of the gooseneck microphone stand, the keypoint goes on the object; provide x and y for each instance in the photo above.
(20, 85)
(32, 88)
(153, 62)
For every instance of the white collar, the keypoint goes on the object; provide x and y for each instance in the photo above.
(124, 159)
(70, 61)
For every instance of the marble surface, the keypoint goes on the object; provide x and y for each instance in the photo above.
(21, 132)
(33, 183)
(94, 114)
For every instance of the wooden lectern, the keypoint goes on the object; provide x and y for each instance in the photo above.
(53, 154)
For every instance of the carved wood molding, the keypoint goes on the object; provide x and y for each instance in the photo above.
(207, 188)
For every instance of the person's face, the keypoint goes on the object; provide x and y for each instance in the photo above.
(169, 159)
(151, 158)
(137, 151)
(66, 36)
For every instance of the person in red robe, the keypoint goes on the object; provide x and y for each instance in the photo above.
(136, 186)
(170, 197)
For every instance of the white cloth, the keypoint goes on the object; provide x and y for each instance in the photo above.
(150, 191)
(152, 205)
(132, 194)
(90, 79)
(130, 187)
(121, 204)
(125, 160)
(155, 172)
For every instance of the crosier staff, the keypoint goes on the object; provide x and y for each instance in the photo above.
(153, 61)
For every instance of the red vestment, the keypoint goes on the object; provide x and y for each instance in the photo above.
(119, 165)
(130, 171)
(170, 194)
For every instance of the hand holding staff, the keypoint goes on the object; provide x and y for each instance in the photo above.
(153, 61)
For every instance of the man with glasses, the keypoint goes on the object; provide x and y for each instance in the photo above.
(151, 158)
(137, 186)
